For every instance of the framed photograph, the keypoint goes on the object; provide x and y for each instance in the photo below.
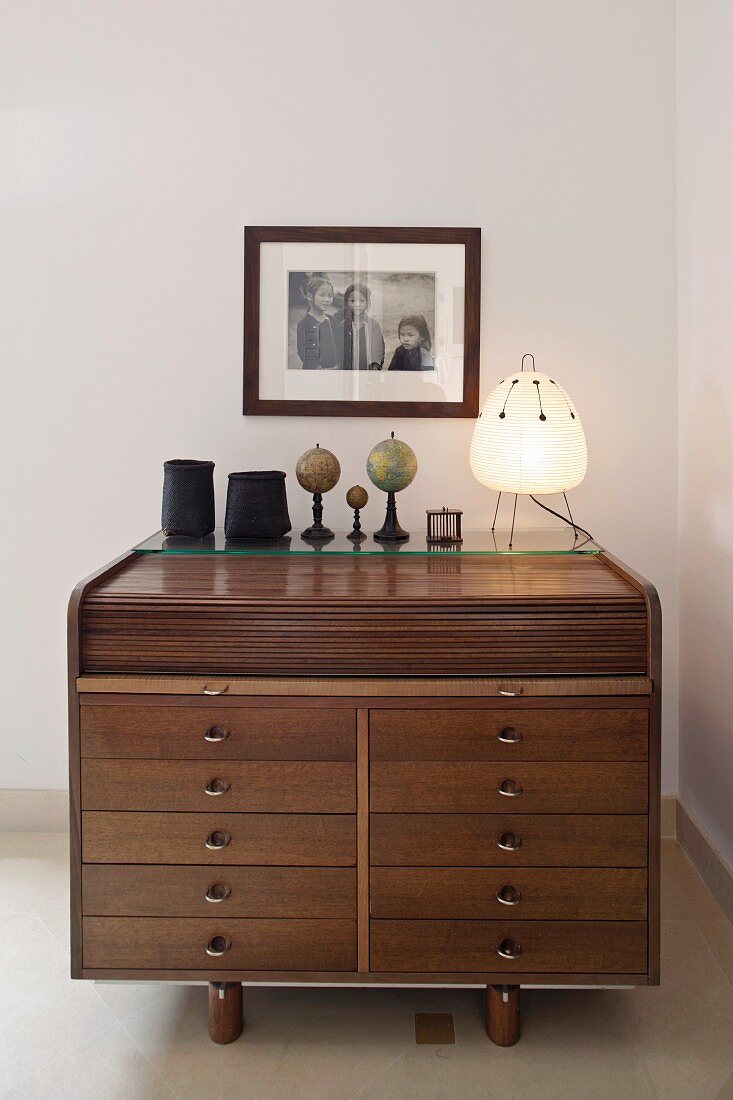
(361, 321)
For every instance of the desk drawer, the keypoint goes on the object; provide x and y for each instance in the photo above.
(478, 787)
(201, 730)
(508, 840)
(516, 734)
(303, 786)
(160, 891)
(541, 947)
(575, 893)
(171, 944)
(303, 840)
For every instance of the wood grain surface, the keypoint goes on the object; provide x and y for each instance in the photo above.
(556, 787)
(362, 837)
(299, 616)
(164, 891)
(547, 946)
(255, 944)
(372, 691)
(280, 786)
(179, 732)
(571, 734)
(471, 840)
(557, 893)
(303, 840)
(421, 648)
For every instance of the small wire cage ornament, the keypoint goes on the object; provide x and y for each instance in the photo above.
(444, 525)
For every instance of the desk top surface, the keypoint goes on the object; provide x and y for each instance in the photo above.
(428, 580)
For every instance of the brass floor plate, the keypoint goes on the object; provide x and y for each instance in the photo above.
(434, 1028)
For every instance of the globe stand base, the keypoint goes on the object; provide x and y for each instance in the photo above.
(356, 534)
(391, 531)
(317, 532)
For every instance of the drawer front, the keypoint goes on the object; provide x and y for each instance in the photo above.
(218, 733)
(181, 944)
(522, 893)
(516, 734)
(159, 891)
(478, 787)
(508, 840)
(302, 840)
(266, 786)
(536, 947)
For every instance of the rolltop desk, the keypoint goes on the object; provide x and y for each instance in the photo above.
(351, 765)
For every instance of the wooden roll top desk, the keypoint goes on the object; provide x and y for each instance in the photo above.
(396, 768)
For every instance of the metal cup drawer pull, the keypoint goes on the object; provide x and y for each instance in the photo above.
(509, 895)
(217, 786)
(510, 788)
(216, 733)
(509, 842)
(509, 736)
(218, 891)
(509, 949)
(218, 945)
(217, 840)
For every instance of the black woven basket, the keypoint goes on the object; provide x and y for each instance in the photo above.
(188, 497)
(257, 505)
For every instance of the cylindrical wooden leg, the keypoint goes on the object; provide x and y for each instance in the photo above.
(225, 1011)
(502, 1014)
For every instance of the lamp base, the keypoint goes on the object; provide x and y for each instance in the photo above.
(570, 522)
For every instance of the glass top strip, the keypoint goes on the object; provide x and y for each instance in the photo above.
(548, 540)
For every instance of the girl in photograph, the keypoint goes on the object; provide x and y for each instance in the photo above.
(413, 352)
(317, 332)
(361, 336)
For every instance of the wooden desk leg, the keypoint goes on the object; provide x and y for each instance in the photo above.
(502, 1014)
(225, 1011)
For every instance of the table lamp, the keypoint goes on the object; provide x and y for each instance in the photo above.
(528, 440)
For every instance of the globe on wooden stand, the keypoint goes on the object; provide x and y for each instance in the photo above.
(317, 470)
(356, 498)
(391, 466)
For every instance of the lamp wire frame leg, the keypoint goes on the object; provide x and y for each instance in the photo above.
(496, 513)
(575, 529)
(514, 513)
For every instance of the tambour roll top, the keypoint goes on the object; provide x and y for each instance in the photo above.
(441, 616)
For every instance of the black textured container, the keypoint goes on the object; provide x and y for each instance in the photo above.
(257, 506)
(188, 497)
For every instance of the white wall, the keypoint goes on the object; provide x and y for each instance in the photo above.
(143, 134)
(705, 97)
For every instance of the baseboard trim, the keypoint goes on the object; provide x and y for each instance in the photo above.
(706, 857)
(34, 811)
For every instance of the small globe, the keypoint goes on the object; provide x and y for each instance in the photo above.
(317, 470)
(392, 465)
(357, 496)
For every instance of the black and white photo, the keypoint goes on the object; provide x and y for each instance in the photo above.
(347, 320)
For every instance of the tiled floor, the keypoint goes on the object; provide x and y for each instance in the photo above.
(60, 1038)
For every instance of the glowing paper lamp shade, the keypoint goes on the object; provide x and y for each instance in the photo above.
(528, 437)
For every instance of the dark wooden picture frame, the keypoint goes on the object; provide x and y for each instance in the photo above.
(254, 236)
